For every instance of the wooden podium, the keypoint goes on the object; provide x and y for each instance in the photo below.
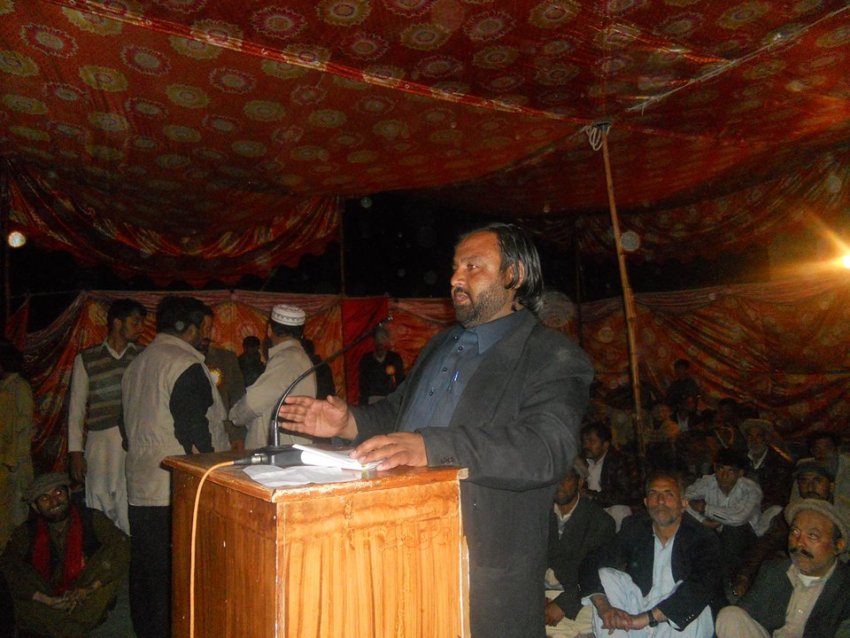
(376, 557)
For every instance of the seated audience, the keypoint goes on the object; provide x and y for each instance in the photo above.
(728, 503)
(823, 446)
(609, 479)
(63, 567)
(683, 385)
(813, 480)
(577, 526)
(659, 574)
(725, 432)
(767, 467)
(804, 595)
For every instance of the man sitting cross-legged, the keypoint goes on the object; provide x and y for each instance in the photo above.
(577, 527)
(659, 574)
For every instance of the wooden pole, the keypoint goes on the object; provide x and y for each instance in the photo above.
(628, 303)
(342, 252)
(5, 214)
(577, 257)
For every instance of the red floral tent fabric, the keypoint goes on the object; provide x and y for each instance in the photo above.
(216, 138)
(777, 346)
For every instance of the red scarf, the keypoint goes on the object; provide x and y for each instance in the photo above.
(73, 562)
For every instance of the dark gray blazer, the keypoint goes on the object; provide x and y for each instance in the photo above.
(515, 429)
(695, 562)
(589, 528)
(768, 599)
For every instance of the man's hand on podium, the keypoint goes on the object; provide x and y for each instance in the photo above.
(398, 448)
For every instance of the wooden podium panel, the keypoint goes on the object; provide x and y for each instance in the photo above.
(377, 557)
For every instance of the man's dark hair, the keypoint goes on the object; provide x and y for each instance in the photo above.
(814, 437)
(122, 308)
(516, 247)
(682, 363)
(175, 314)
(279, 330)
(730, 457)
(665, 473)
(602, 430)
(250, 342)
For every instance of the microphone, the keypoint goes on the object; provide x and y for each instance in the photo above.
(283, 455)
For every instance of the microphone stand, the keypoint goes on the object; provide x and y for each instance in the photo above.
(275, 453)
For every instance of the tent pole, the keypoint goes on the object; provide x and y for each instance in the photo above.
(577, 257)
(342, 252)
(5, 214)
(628, 302)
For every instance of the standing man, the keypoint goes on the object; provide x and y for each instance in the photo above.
(287, 359)
(498, 394)
(229, 382)
(94, 408)
(170, 408)
(659, 575)
(380, 370)
(16, 430)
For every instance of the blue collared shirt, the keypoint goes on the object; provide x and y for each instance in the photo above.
(450, 368)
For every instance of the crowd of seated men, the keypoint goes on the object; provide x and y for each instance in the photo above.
(733, 533)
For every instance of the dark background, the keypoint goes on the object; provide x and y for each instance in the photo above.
(399, 246)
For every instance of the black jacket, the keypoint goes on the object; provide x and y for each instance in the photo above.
(588, 528)
(515, 429)
(768, 599)
(696, 562)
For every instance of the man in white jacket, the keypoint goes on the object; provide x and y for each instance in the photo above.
(170, 408)
(287, 359)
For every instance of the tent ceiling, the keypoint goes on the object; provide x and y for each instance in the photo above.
(229, 130)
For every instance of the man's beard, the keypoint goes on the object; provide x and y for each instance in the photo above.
(58, 513)
(481, 310)
(562, 498)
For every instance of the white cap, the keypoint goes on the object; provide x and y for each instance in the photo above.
(288, 315)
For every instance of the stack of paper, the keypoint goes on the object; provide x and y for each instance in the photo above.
(332, 458)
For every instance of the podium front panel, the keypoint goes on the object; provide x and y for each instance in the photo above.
(377, 557)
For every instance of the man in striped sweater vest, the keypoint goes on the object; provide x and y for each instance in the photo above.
(95, 407)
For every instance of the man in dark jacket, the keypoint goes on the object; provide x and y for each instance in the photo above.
(498, 394)
(661, 571)
(804, 595)
(610, 480)
(577, 527)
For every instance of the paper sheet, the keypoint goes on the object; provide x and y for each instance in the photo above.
(273, 476)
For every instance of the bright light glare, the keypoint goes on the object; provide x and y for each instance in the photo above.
(845, 261)
(16, 239)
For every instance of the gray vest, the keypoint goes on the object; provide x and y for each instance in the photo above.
(105, 372)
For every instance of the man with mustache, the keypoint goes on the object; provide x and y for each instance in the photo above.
(804, 595)
(659, 574)
(498, 394)
(812, 480)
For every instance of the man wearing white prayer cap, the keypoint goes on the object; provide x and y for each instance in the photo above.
(287, 359)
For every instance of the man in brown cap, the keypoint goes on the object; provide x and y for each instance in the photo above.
(804, 595)
(64, 565)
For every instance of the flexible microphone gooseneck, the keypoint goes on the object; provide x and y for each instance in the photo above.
(275, 453)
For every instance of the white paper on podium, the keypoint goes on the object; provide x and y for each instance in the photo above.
(274, 476)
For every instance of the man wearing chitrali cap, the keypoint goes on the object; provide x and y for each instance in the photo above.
(64, 565)
(287, 359)
(805, 595)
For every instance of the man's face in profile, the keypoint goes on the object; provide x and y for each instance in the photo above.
(479, 292)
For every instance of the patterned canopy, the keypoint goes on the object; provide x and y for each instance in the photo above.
(195, 138)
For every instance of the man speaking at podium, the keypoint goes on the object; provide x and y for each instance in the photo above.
(498, 394)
